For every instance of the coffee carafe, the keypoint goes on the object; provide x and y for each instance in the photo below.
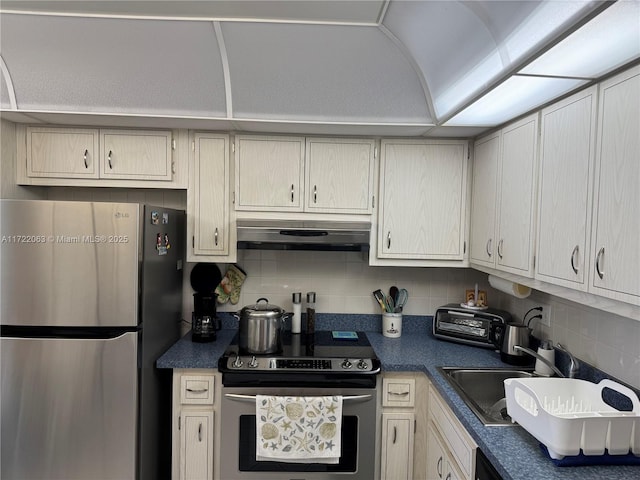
(204, 323)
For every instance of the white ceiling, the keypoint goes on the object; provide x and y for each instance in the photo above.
(364, 67)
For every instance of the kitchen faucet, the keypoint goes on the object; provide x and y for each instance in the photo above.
(574, 367)
(541, 358)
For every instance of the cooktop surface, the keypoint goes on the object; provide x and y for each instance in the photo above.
(325, 356)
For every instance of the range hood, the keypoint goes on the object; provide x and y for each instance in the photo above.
(303, 235)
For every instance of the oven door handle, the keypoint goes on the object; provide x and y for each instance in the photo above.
(252, 398)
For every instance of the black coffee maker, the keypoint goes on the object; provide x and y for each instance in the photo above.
(205, 277)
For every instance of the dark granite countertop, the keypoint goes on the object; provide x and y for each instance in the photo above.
(514, 452)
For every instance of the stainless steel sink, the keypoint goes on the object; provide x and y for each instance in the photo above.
(482, 389)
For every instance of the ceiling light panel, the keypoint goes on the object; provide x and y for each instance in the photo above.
(513, 97)
(608, 41)
(461, 47)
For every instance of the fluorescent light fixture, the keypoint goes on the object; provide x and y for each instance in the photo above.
(515, 96)
(512, 44)
(610, 40)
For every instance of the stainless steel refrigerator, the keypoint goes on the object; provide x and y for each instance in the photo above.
(90, 298)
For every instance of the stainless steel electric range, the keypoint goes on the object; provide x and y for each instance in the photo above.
(315, 365)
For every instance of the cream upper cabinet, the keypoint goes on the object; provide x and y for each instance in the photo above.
(504, 189)
(62, 153)
(92, 157)
(516, 204)
(567, 149)
(484, 194)
(144, 154)
(294, 174)
(339, 175)
(210, 226)
(423, 192)
(615, 249)
(269, 173)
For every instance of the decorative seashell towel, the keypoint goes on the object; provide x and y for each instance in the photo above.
(298, 429)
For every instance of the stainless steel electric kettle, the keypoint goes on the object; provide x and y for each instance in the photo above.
(507, 336)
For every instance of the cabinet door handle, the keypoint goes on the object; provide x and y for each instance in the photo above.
(315, 194)
(389, 239)
(448, 476)
(292, 193)
(200, 432)
(576, 250)
(86, 153)
(490, 247)
(395, 434)
(215, 236)
(197, 390)
(400, 394)
(439, 467)
(500, 248)
(599, 270)
(109, 160)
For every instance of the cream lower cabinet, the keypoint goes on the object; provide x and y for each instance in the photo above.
(440, 465)
(196, 445)
(194, 407)
(403, 425)
(451, 450)
(397, 439)
(211, 228)
(423, 200)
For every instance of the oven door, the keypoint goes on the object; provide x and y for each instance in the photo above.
(238, 439)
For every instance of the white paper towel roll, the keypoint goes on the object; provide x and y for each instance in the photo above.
(516, 289)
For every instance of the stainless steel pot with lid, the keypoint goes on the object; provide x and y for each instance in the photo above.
(260, 329)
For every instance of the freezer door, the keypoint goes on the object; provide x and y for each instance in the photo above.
(69, 408)
(69, 263)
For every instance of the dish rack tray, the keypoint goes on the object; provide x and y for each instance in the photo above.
(568, 415)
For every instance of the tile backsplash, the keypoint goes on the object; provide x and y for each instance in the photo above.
(344, 281)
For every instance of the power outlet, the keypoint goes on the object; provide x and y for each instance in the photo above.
(546, 314)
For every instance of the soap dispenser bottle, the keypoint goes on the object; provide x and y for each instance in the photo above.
(546, 351)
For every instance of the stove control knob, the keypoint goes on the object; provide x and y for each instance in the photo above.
(362, 365)
(237, 363)
(254, 362)
(346, 364)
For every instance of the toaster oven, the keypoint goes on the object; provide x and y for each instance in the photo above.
(456, 323)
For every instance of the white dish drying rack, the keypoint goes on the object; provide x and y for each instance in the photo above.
(569, 415)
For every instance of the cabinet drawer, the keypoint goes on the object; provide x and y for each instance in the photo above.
(460, 444)
(398, 392)
(197, 389)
